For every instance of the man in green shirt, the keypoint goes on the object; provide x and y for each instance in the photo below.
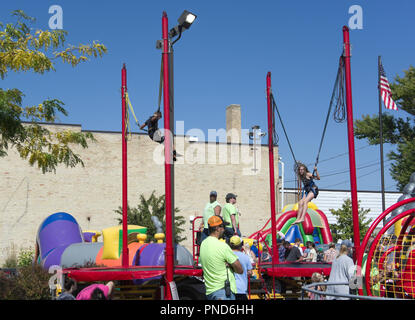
(230, 217)
(218, 263)
(212, 208)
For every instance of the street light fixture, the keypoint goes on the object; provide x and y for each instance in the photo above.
(185, 21)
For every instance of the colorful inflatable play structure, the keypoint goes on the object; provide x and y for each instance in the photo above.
(315, 227)
(60, 241)
(386, 261)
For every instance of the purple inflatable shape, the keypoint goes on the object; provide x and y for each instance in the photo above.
(54, 257)
(151, 255)
(88, 236)
(59, 230)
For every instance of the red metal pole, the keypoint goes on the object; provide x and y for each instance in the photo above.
(168, 158)
(275, 258)
(124, 170)
(350, 132)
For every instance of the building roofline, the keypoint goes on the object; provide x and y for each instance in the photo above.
(139, 133)
(340, 190)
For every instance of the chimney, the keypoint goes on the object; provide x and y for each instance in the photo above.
(233, 123)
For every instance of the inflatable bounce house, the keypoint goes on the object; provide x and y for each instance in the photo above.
(386, 260)
(60, 241)
(315, 226)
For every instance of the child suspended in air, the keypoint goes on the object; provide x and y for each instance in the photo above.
(153, 129)
(310, 190)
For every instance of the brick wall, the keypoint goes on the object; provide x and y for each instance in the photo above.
(91, 193)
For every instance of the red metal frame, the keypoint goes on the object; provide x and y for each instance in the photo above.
(275, 257)
(271, 171)
(124, 169)
(370, 232)
(194, 244)
(168, 166)
(288, 269)
(375, 241)
(130, 273)
(350, 135)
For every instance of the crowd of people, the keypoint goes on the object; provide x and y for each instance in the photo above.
(228, 264)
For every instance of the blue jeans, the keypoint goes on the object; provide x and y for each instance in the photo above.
(220, 295)
(229, 233)
(204, 234)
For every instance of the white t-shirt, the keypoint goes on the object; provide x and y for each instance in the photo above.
(312, 255)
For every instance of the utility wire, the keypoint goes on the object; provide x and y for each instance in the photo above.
(340, 155)
(346, 171)
(345, 181)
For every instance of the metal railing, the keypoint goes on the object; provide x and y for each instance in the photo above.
(309, 288)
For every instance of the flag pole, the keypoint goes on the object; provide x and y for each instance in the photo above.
(382, 179)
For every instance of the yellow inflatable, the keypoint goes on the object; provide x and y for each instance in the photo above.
(294, 207)
(251, 242)
(112, 238)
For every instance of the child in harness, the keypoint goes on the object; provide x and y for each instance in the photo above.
(310, 190)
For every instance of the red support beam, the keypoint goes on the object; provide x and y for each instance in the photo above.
(350, 135)
(275, 257)
(168, 158)
(124, 169)
(271, 171)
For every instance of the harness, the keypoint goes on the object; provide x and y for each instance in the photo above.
(309, 185)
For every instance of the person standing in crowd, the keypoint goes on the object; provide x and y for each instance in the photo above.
(312, 253)
(281, 250)
(249, 253)
(212, 208)
(287, 247)
(236, 244)
(69, 288)
(96, 292)
(306, 250)
(230, 217)
(317, 278)
(265, 256)
(254, 248)
(320, 255)
(218, 263)
(295, 254)
(331, 253)
(341, 271)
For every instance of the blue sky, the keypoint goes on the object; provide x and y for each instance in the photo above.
(223, 59)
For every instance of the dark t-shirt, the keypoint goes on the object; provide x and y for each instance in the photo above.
(294, 254)
(152, 126)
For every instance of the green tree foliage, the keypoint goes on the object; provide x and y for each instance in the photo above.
(396, 131)
(343, 229)
(28, 283)
(24, 49)
(154, 205)
(25, 257)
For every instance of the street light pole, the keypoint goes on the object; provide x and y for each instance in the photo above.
(168, 163)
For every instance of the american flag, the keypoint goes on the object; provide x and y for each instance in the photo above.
(385, 90)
